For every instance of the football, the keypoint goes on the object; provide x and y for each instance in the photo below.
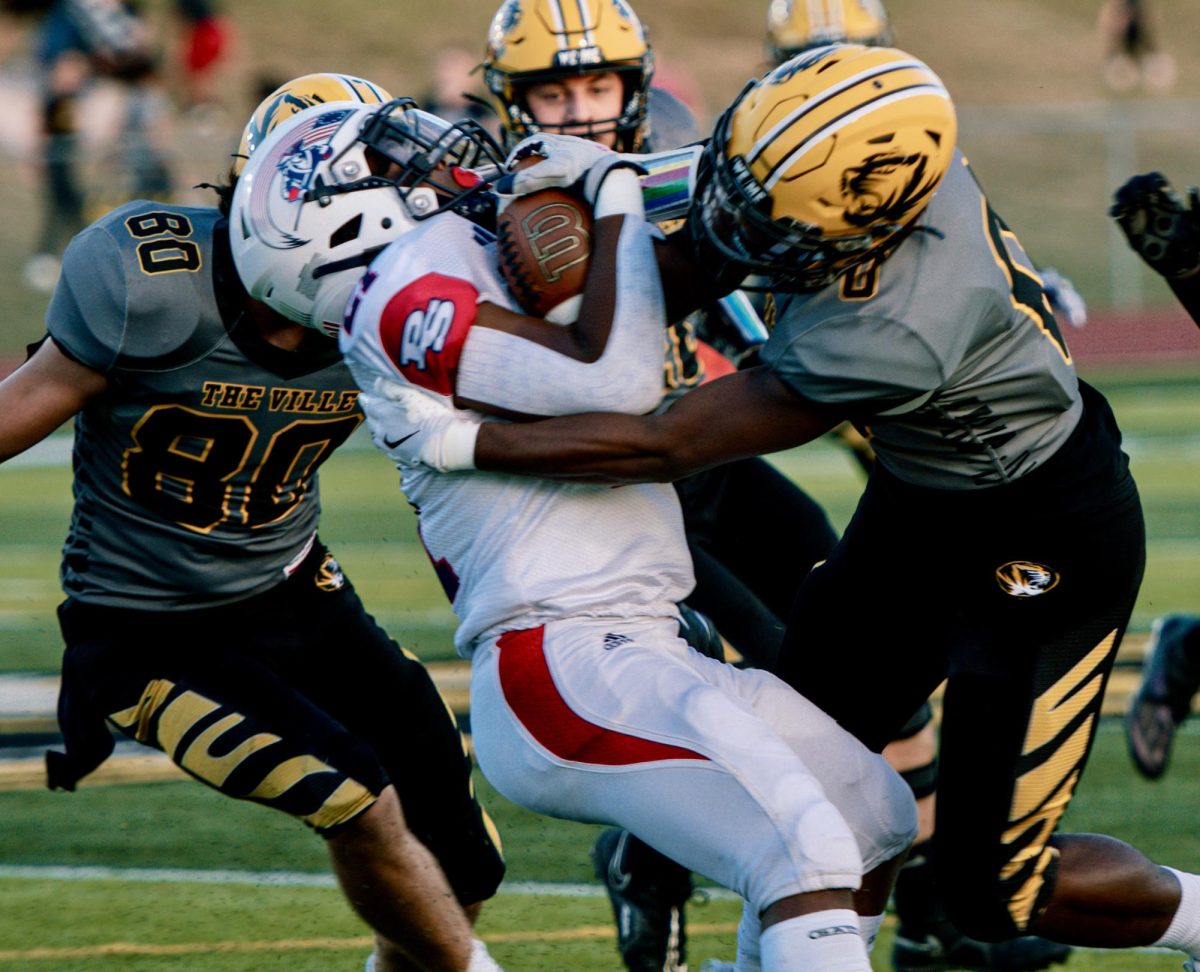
(544, 242)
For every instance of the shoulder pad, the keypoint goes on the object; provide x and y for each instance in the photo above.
(136, 291)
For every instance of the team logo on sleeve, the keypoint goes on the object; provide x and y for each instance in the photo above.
(276, 199)
(424, 326)
(1020, 578)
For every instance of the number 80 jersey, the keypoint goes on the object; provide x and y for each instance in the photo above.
(195, 474)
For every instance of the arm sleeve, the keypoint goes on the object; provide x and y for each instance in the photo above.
(510, 372)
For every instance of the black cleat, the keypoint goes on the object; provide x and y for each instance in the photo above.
(1163, 698)
(648, 892)
(933, 954)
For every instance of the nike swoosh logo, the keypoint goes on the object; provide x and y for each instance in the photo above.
(392, 443)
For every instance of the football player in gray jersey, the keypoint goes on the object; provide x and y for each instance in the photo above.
(999, 543)
(1164, 230)
(204, 617)
(925, 938)
(744, 582)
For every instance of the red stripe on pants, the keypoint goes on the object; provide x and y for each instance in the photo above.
(531, 693)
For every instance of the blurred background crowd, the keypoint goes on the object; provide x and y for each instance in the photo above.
(108, 100)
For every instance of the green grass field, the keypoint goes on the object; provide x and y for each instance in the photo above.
(131, 923)
(126, 924)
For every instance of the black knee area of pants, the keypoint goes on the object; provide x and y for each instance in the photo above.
(975, 898)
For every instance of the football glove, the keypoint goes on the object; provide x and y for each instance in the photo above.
(566, 161)
(1063, 297)
(412, 427)
(1161, 227)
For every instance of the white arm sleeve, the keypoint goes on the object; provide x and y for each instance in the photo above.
(501, 369)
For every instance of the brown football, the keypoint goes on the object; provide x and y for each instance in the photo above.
(544, 241)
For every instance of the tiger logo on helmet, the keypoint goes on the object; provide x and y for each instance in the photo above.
(824, 162)
(795, 26)
(296, 95)
(544, 40)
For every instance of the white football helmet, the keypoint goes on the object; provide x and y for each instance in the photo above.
(332, 185)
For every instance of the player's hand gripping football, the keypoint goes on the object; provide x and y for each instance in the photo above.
(1161, 227)
(413, 427)
(565, 161)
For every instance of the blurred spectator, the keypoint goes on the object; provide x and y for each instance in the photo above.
(1163, 228)
(1131, 51)
(76, 42)
(454, 94)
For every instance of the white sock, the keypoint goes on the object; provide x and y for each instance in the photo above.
(370, 967)
(824, 941)
(869, 926)
(480, 960)
(1184, 931)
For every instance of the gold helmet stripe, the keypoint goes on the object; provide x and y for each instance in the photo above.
(827, 18)
(832, 92)
(562, 32)
(892, 97)
(366, 92)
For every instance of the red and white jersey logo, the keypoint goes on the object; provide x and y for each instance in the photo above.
(423, 328)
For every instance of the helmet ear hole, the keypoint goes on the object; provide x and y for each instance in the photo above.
(348, 231)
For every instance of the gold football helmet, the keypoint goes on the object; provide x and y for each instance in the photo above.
(295, 96)
(542, 40)
(822, 163)
(794, 26)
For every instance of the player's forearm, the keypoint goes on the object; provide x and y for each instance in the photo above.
(593, 447)
(745, 414)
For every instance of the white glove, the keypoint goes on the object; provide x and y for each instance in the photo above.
(1063, 296)
(413, 427)
(568, 160)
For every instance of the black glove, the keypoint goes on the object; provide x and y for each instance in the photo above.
(1161, 227)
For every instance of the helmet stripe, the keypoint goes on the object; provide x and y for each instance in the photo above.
(358, 86)
(761, 145)
(585, 22)
(826, 18)
(847, 118)
(558, 23)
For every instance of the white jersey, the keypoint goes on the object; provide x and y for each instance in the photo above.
(512, 552)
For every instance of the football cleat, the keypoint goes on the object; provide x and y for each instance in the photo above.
(1164, 697)
(933, 954)
(648, 892)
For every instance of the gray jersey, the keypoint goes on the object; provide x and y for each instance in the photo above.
(947, 349)
(195, 474)
(670, 123)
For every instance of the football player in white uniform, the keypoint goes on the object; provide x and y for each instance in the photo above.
(586, 68)
(585, 702)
